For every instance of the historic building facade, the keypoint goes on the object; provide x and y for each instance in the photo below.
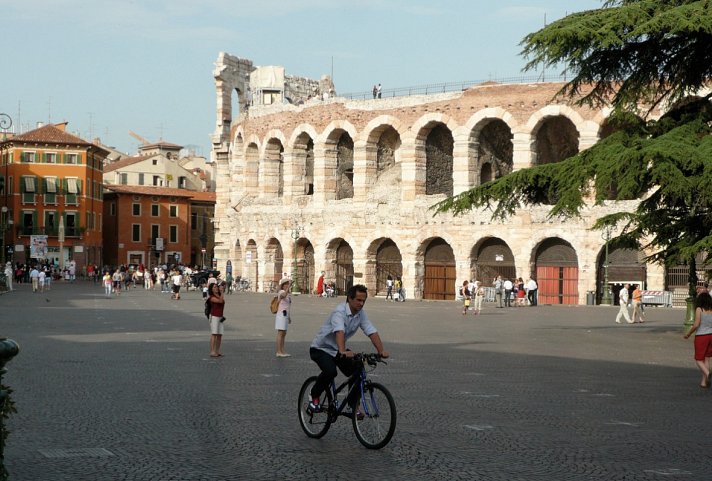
(346, 187)
(50, 191)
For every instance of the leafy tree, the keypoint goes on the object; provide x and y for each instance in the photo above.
(633, 55)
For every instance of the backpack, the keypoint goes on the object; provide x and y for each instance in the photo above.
(208, 307)
(274, 305)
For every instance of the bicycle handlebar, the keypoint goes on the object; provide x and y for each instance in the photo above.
(370, 358)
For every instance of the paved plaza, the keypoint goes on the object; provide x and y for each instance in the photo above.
(124, 389)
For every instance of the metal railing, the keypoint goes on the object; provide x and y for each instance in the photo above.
(440, 88)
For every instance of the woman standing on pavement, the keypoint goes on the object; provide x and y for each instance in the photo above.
(703, 336)
(217, 319)
(283, 317)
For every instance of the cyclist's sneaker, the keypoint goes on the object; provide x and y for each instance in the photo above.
(314, 406)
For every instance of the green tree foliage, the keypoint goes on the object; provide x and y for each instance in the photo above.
(632, 55)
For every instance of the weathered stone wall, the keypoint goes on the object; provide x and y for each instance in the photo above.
(387, 201)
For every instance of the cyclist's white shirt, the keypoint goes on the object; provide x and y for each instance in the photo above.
(341, 320)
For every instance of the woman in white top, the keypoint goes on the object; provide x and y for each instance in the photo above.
(702, 328)
(282, 318)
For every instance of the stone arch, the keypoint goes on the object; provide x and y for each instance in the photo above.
(252, 269)
(383, 259)
(555, 131)
(339, 163)
(340, 264)
(491, 257)
(237, 260)
(418, 135)
(436, 269)
(491, 139)
(383, 139)
(625, 265)
(557, 271)
(252, 168)
(303, 271)
(273, 167)
(273, 263)
(237, 158)
(302, 148)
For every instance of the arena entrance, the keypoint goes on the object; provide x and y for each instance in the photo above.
(274, 264)
(556, 272)
(439, 279)
(384, 259)
(490, 258)
(304, 277)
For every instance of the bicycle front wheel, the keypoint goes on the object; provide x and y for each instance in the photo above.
(314, 424)
(375, 419)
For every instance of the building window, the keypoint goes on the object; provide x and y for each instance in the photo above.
(140, 178)
(155, 161)
(173, 233)
(157, 181)
(136, 232)
(28, 189)
(154, 210)
(51, 227)
(123, 178)
(2, 185)
(112, 209)
(28, 222)
(155, 233)
(182, 182)
(136, 208)
(193, 220)
(50, 190)
(71, 159)
(71, 226)
(71, 195)
(50, 157)
(27, 157)
(173, 211)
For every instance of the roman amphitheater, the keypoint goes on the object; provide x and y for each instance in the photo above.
(309, 181)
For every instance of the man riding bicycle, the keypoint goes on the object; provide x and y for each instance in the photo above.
(328, 349)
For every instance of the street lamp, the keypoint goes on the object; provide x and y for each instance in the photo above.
(296, 232)
(606, 300)
(3, 227)
(5, 124)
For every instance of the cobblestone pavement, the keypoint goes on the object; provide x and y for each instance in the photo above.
(124, 389)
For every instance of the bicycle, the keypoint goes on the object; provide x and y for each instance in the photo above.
(375, 420)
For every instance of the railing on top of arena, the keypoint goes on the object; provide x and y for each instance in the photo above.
(440, 88)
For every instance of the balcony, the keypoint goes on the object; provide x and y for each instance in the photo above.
(51, 232)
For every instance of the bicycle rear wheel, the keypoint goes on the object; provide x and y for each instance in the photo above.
(377, 411)
(315, 425)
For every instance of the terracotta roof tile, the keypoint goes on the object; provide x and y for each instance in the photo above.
(50, 134)
(149, 190)
(125, 162)
(204, 196)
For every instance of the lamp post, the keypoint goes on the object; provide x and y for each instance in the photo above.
(296, 232)
(606, 299)
(5, 124)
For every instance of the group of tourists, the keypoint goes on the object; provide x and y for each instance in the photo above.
(507, 293)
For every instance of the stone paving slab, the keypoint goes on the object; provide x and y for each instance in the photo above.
(124, 389)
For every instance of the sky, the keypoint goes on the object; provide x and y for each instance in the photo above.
(113, 66)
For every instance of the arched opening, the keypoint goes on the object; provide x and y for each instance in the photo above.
(345, 167)
(252, 169)
(494, 147)
(252, 270)
(625, 265)
(556, 139)
(439, 160)
(388, 144)
(304, 160)
(304, 277)
(388, 263)
(439, 276)
(274, 168)
(273, 264)
(490, 258)
(556, 272)
(237, 265)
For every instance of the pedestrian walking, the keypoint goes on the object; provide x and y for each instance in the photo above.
(389, 287)
(108, 284)
(638, 309)
(466, 296)
(623, 302)
(479, 297)
(702, 328)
